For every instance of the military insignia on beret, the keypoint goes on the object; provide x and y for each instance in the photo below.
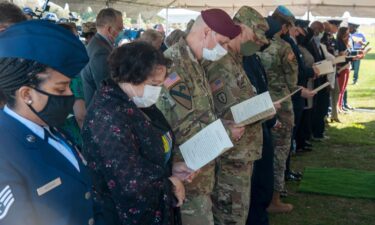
(171, 80)
(6, 201)
(181, 94)
(216, 85)
(222, 97)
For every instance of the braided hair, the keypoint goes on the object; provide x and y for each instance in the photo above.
(15, 73)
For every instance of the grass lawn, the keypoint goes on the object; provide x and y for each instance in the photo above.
(352, 146)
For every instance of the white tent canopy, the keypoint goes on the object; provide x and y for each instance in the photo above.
(148, 8)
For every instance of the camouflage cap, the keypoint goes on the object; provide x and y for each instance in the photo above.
(89, 27)
(284, 13)
(254, 20)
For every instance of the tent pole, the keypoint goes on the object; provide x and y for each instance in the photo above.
(167, 20)
(308, 11)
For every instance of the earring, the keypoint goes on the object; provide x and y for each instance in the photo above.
(29, 102)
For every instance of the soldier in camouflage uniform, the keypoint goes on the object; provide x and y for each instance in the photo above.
(229, 86)
(187, 103)
(282, 72)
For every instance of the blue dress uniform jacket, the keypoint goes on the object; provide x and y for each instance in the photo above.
(38, 185)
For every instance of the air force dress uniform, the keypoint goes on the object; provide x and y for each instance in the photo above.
(43, 178)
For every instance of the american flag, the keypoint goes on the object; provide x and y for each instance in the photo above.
(172, 79)
(216, 85)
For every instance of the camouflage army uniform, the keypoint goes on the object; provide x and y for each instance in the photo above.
(282, 72)
(229, 86)
(187, 104)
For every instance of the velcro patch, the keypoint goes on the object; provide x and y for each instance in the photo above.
(216, 85)
(172, 79)
(181, 94)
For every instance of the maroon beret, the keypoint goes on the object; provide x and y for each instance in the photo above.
(219, 21)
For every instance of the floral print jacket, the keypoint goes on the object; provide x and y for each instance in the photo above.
(126, 156)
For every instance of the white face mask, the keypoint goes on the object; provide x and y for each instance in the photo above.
(214, 54)
(150, 96)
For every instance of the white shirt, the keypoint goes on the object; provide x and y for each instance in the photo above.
(39, 131)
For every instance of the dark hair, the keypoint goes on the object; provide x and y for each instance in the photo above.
(107, 16)
(69, 26)
(134, 62)
(10, 14)
(17, 72)
(342, 32)
(2, 99)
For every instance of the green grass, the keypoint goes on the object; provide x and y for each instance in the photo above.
(351, 146)
(339, 182)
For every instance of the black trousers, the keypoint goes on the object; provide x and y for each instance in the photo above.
(298, 105)
(320, 109)
(262, 183)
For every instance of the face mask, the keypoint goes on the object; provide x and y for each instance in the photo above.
(150, 96)
(301, 40)
(249, 48)
(318, 38)
(320, 35)
(56, 110)
(214, 54)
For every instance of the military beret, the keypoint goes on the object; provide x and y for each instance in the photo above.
(220, 22)
(335, 22)
(302, 23)
(354, 25)
(284, 13)
(253, 19)
(45, 43)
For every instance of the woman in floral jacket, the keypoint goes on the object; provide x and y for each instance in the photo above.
(128, 142)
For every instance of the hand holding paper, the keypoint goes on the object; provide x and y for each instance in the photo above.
(325, 67)
(288, 96)
(253, 109)
(326, 84)
(206, 145)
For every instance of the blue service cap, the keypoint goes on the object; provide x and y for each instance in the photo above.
(46, 43)
(335, 22)
(302, 23)
(274, 25)
(354, 25)
(285, 14)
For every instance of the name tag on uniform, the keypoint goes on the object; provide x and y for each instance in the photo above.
(47, 187)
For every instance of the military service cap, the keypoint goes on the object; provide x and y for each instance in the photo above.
(302, 23)
(253, 19)
(284, 13)
(335, 22)
(354, 25)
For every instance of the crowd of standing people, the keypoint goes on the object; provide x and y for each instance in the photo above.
(90, 130)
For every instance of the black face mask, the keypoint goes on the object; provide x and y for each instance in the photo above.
(301, 40)
(56, 110)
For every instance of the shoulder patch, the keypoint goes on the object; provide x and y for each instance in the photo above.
(222, 97)
(172, 79)
(216, 85)
(6, 201)
(181, 94)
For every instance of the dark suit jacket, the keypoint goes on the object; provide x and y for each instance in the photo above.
(97, 69)
(28, 163)
(126, 156)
